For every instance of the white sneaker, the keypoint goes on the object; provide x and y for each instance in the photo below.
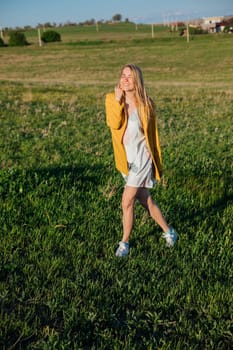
(123, 249)
(170, 237)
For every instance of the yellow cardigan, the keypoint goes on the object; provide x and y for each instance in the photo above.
(117, 121)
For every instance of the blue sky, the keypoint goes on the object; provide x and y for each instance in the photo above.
(31, 12)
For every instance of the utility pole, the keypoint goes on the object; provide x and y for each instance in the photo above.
(152, 30)
(134, 20)
(187, 32)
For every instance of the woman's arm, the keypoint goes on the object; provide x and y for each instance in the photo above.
(114, 111)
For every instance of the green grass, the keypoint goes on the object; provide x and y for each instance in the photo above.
(205, 61)
(61, 286)
(104, 31)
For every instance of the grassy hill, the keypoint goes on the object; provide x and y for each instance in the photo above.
(61, 286)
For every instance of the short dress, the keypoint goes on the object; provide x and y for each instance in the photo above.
(138, 156)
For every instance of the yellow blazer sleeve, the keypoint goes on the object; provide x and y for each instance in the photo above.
(156, 147)
(114, 112)
(116, 120)
(152, 138)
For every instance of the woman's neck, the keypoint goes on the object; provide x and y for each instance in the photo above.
(130, 102)
(130, 98)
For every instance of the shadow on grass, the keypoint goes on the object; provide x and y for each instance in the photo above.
(68, 176)
(189, 210)
(52, 195)
(207, 201)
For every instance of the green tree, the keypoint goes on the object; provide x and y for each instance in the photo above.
(117, 17)
(17, 39)
(50, 36)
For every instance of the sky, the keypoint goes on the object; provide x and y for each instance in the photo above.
(19, 13)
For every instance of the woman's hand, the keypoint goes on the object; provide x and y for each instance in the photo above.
(118, 93)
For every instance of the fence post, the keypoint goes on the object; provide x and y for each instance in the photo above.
(39, 37)
(152, 30)
(187, 32)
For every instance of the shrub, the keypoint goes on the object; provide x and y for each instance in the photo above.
(2, 43)
(192, 31)
(197, 31)
(228, 29)
(17, 39)
(50, 36)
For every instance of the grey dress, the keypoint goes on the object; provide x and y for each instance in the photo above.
(138, 156)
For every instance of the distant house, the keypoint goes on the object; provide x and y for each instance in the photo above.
(212, 24)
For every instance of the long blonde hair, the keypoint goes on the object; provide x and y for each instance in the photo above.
(142, 99)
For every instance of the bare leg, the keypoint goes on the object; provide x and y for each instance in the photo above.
(128, 201)
(129, 196)
(144, 197)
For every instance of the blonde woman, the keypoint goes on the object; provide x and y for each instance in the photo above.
(132, 120)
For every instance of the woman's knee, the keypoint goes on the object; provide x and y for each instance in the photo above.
(127, 203)
(128, 200)
(150, 202)
(143, 196)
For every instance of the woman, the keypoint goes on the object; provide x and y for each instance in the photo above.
(132, 121)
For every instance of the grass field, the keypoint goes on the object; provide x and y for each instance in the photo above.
(61, 286)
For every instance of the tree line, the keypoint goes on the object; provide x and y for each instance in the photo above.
(115, 18)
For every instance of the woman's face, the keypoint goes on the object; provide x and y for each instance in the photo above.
(127, 80)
